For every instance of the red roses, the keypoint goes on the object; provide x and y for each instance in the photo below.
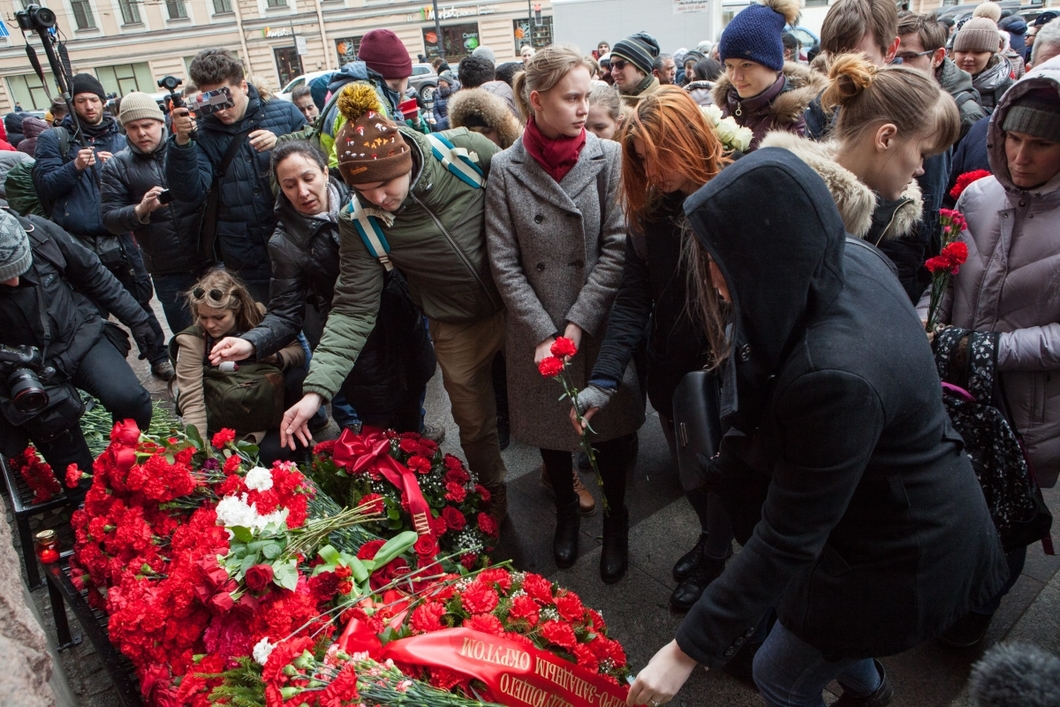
(258, 578)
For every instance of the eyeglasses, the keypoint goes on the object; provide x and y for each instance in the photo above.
(618, 64)
(909, 56)
(217, 295)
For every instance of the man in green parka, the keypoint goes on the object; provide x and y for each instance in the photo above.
(419, 204)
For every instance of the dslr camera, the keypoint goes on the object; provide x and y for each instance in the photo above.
(35, 19)
(22, 368)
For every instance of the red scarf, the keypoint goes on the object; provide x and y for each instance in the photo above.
(556, 157)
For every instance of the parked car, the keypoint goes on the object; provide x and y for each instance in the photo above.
(286, 91)
(425, 81)
(807, 40)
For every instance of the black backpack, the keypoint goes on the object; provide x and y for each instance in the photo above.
(970, 393)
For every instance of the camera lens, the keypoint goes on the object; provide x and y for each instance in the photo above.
(26, 391)
(43, 17)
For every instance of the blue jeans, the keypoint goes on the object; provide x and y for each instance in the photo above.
(791, 673)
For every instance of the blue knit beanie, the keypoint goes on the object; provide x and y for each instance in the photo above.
(755, 34)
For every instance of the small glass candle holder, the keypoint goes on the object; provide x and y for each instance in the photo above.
(47, 544)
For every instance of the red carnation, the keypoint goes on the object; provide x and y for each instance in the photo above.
(965, 179)
(419, 464)
(258, 578)
(550, 367)
(477, 598)
(570, 606)
(487, 623)
(524, 608)
(73, 475)
(585, 657)
(223, 437)
(455, 493)
(563, 346)
(428, 617)
(232, 463)
(373, 503)
(538, 588)
(454, 518)
(559, 633)
(486, 524)
(950, 260)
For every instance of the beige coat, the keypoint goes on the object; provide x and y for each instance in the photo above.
(557, 252)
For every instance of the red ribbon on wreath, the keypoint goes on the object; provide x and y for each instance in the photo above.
(370, 451)
(516, 674)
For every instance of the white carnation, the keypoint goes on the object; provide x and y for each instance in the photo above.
(258, 479)
(260, 522)
(262, 651)
(234, 511)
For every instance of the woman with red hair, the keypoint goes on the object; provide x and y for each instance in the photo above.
(669, 151)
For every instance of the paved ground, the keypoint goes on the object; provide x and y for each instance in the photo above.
(636, 608)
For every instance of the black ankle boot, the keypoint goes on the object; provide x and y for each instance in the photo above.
(565, 544)
(690, 560)
(687, 593)
(614, 559)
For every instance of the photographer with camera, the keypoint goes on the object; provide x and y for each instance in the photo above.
(237, 130)
(136, 198)
(70, 159)
(50, 287)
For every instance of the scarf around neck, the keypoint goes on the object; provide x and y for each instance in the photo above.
(556, 156)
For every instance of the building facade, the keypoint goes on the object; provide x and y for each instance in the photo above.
(129, 45)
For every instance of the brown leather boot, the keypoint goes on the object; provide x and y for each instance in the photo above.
(586, 502)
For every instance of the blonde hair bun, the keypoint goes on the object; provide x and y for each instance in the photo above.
(849, 75)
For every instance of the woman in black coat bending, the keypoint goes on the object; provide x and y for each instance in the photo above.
(861, 521)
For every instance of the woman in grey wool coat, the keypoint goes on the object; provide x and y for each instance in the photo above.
(556, 239)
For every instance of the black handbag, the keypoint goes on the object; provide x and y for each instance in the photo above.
(697, 426)
(971, 397)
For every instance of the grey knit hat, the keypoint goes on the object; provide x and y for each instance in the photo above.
(1034, 115)
(137, 106)
(978, 34)
(15, 253)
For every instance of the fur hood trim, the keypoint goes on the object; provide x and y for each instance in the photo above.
(487, 106)
(788, 107)
(855, 201)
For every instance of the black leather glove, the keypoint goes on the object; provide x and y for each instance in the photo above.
(144, 336)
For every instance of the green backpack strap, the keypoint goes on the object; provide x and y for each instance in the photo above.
(457, 160)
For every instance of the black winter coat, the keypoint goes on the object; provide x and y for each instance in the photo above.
(68, 280)
(650, 308)
(397, 358)
(246, 219)
(13, 127)
(873, 534)
(169, 238)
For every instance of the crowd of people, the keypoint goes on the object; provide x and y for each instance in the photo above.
(324, 255)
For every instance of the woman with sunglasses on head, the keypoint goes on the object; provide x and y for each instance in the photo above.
(668, 151)
(758, 89)
(221, 306)
(386, 385)
(555, 232)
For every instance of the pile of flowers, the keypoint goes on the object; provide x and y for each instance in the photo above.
(37, 474)
(362, 469)
(229, 583)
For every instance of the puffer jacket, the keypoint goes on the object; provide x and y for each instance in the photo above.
(397, 357)
(891, 226)
(437, 240)
(246, 219)
(780, 107)
(32, 128)
(1008, 285)
(74, 194)
(70, 283)
(702, 92)
(992, 82)
(958, 84)
(169, 236)
(13, 127)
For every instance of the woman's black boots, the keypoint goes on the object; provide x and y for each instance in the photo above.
(568, 523)
(690, 560)
(614, 558)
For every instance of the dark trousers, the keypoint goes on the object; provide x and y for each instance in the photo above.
(106, 375)
(613, 458)
(171, 289)
(132, 274)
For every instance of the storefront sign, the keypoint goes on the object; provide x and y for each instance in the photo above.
(451, 13)
(682, 7)
(272, 32)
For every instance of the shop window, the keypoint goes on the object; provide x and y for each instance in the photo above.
(176, 9)
(83, 16)
(28, 91)
(537, 34)
(459, 41)
(347, 48)
(126, 78)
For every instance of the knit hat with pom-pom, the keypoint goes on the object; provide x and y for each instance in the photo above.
(755, 33)
(369, 147)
